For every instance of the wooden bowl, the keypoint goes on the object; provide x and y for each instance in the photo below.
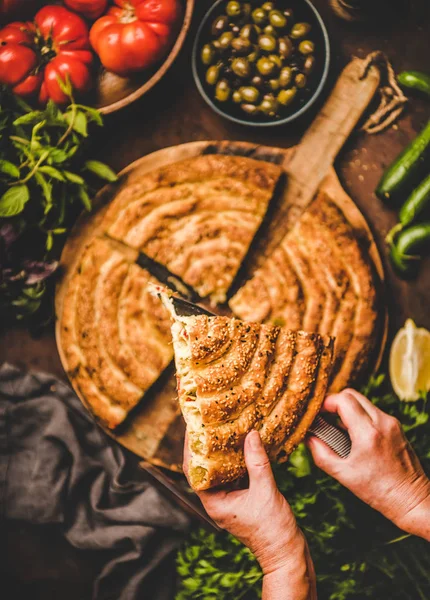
(114, 92)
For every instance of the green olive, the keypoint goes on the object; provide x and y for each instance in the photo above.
(285, 46)
(300, 80)
(249, 94)
(299, 30)
(270, 30)
(254, 56)
(285, 77)
(222, 90)
(241, 67)
(277, 19)
(269, 105)
(233, 9)
(309, 64)
(212, 74)
(268, 6)
(276, 60)
(306, 47)
(208, 54)
(241, 45)
(285, 97)
(257, 81)
(226, 39)
(267, 42)
(259, 16)
(274, 84)
(251, 109)
(249, 32)
(219, 25)
(265, 66)
(236, 97)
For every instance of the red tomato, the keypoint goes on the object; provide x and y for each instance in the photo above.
(18, 60)
(18, 33)
(135, 34)
(91, 9)
(34, 57)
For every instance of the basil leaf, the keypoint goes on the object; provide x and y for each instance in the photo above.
(86, 200)
(9, 168)
(78, 121)
(73, 177)
(101, 170)
(57, 156)
(52, 172)
(13, 200)
(94, 114)
(32, 117)
(47, 190)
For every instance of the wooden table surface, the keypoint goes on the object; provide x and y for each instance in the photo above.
(174, 113)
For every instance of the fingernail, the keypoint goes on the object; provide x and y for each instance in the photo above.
(254, 440)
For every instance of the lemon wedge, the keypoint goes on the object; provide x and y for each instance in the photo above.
(410, 362)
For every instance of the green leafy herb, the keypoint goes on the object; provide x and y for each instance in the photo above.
(45, 178)
(357, 553)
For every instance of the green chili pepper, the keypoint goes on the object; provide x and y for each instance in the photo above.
(412, 208)
(415, 80)
(403, 171)
(406, 251)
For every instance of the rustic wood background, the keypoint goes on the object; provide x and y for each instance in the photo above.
(38, 563)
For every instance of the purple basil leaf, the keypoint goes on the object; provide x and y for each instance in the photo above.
(37, 271)
(8, 235)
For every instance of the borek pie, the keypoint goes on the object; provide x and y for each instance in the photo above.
(196, 217)
(235, 376)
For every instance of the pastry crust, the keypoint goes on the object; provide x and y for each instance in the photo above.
(235, 376)
(115, 336)
(334, 289)
(197, 217)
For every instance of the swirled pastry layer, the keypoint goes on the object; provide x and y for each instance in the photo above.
(115, 336)
(235, 376)
(320, 279)
(197, 217)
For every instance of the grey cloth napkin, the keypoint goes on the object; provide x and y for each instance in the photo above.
(58, 467)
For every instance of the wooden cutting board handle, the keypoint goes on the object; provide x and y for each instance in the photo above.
(317, 150)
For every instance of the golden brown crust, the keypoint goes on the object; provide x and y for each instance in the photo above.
(333, 291)
(263, 379)
(115, 337)
(197, 217)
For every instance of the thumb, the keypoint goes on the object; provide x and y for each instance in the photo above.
(257, 462)
(324, 457)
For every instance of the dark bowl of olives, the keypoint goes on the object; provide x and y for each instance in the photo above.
(259, 62)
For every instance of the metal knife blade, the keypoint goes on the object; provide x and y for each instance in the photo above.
(165, 277)
(185, 308)
(337, 439)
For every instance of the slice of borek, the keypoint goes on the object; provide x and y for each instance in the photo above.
(234, 377)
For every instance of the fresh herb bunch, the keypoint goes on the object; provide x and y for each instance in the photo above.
(357, 553)
(44, 178)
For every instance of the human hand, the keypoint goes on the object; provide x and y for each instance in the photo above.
(262, 519)
(382, 468)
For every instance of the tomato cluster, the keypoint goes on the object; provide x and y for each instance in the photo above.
(37, 56)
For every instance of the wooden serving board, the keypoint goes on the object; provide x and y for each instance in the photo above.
(155, 429)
